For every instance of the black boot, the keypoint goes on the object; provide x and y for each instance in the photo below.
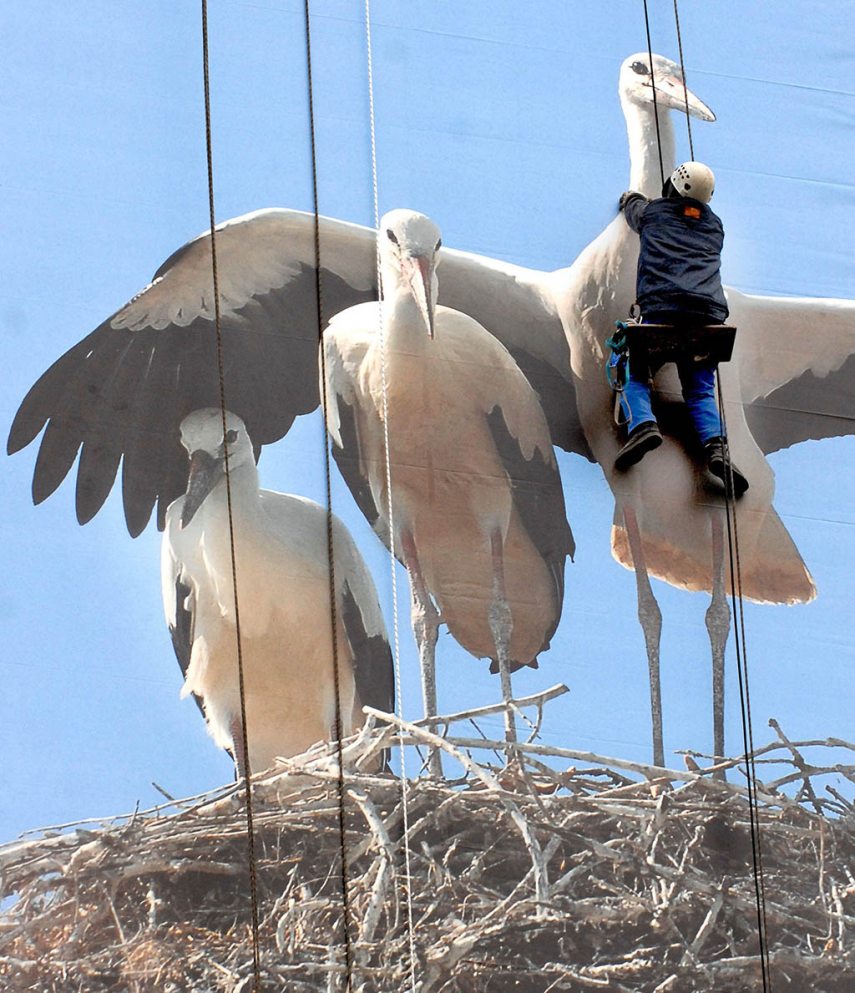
(642, 440)
(717, 465)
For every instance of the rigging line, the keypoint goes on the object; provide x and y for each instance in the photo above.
(653, 86)
(685, 87)
(339, 726)
(744, 701)
(247, 772)
(399, 699)
(751, 752)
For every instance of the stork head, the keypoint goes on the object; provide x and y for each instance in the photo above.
(202, 436)
(408, 243)
(638, 79)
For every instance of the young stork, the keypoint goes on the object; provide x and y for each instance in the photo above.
(476, 510)
(283, 585)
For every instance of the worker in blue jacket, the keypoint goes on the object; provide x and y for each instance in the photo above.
(678, 283)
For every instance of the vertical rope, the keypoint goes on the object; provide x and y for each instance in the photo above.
(685, 85)
(250, 831)
(339, 725)
(735, 585)
(390, 512)
(745, 702)
(653, 85)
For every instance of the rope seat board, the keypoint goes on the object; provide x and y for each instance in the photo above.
(652, 345)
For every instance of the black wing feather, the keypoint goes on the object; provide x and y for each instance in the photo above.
(374, 671)
(347, 458)
(182, 634)
(808, 407)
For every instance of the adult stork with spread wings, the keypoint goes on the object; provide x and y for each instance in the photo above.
(286, 619)
(668, 521)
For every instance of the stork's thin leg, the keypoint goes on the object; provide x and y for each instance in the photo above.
(650, 617)
(236, 729)
(501, 626)
(425, 620)
(718, 627)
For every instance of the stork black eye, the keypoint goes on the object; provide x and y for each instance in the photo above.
(438, 245)
(231, 437)
(390, 234)
(641, 68)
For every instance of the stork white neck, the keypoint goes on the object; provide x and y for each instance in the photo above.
(644, 170)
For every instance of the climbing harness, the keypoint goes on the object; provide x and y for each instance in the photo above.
(617, 367)
(735, 581)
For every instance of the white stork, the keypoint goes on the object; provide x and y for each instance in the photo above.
(668, 521)
(282, 565)
(476, 511)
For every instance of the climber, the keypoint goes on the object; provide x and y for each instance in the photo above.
(678, 284)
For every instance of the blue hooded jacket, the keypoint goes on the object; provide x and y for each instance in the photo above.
(679, 266)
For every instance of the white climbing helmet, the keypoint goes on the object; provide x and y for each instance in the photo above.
(695, 180)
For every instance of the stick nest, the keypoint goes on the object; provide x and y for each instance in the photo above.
(604, 875)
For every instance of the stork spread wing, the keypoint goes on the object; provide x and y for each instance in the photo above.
(797, 367)
(121, 393)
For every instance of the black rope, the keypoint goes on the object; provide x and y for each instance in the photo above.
(653, 85)
(735, 585)
(685, 85)
(250, 832)
(339, 727)
(745, 702)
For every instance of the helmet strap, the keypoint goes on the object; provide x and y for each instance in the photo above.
(670, 190)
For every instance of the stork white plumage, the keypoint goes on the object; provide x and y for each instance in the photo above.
(668, 522)
(282, 565)
(476, 509)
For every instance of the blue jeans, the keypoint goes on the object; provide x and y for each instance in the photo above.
(698, 382)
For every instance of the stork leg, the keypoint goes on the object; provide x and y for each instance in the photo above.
(650, 617)
(718, 627)
(425, 620)
(501, 626)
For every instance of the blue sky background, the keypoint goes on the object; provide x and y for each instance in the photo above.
(499, 119)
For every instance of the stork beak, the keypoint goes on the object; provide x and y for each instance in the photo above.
(205, 473)
(674, 95)
(418, 270)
